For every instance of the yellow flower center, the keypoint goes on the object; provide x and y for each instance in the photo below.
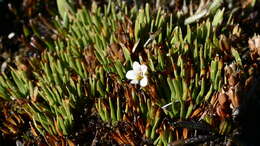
(139, 76)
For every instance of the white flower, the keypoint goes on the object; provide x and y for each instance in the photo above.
(138, 75)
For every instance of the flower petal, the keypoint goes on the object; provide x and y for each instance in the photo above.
(136, 67)
(131, 74)
(144, 68)
(134, 82)
(144, 81)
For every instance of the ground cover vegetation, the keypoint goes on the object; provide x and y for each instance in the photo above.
(130, 72)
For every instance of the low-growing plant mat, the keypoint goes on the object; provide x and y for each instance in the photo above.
(134, 73)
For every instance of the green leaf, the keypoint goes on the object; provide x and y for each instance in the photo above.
(218, 18)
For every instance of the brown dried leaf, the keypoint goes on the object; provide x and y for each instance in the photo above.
(185, 133)
(197, 113)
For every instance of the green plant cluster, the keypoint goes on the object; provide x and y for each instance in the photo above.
(94, 49)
